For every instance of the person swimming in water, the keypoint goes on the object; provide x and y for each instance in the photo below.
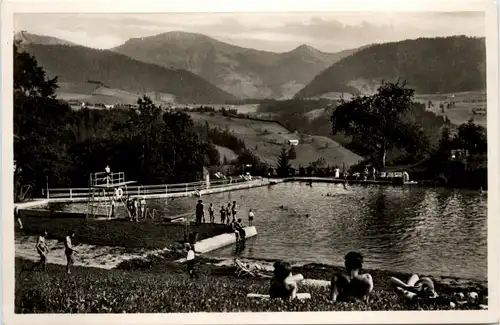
(351, 286)
(284, 284)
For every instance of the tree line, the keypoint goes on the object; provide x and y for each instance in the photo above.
(54, 144)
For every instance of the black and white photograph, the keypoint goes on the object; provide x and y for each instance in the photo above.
(244, 162)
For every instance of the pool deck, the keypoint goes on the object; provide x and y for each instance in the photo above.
(32, 204)
(336, 180)
(216, 242)
(231, 187)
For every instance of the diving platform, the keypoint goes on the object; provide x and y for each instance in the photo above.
(107, 191)
(105, 180)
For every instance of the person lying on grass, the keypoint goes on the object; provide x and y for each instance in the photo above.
(351, 286)
(415, 288)
(42, 249)
(283, 283)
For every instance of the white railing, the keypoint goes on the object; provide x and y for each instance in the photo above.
(138, 190)
(104, 178)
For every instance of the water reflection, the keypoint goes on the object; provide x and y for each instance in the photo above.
(410, 229)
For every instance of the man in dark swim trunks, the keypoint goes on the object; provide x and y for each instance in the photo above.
(351, 286)
(200, 211)
(223, 215)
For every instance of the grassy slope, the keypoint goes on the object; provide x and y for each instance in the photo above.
(90, 290)
(223, 151)
(465, 102)
(268, 146)
(94, 94)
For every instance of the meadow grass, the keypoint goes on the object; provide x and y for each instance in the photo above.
(266, 140)
(169, 289)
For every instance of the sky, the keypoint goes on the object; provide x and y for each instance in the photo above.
(277, 32)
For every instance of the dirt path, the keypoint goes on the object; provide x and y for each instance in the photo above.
(105, 257)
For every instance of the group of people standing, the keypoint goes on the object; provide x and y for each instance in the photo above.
(136, 208)
(227, 217)
(43, 249)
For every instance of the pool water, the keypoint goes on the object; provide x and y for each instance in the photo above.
(435, 231)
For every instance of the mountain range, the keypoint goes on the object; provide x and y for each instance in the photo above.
(76, 65)
(243, 72)
(195, 68)
(429, 65)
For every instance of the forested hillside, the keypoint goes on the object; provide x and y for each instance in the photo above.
(429, 65)
(78, 64)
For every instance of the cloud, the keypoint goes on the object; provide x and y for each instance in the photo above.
(267, 31)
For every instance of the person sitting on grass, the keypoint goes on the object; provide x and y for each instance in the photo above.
(415, 288)
(68, 251)
(351, 286)
(191, 254)
(42, 249)
(283, 283)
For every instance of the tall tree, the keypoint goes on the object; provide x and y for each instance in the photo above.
(40, 123)
(283, 164)
(379, 121)
(149, 122)
(184, 154)
(472, 137)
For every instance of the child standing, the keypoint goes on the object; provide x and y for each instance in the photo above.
(222, 215)
(190, 261)
(42, 249)
(228, 213)
(234, 210)
(250, 217)
(211, 212)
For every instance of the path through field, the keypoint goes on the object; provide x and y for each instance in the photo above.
(105, 257)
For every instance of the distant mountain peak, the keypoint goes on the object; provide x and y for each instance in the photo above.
(29, 38)
(306, 48)
(172, 36)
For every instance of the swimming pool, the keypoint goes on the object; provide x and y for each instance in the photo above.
(434, 231)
